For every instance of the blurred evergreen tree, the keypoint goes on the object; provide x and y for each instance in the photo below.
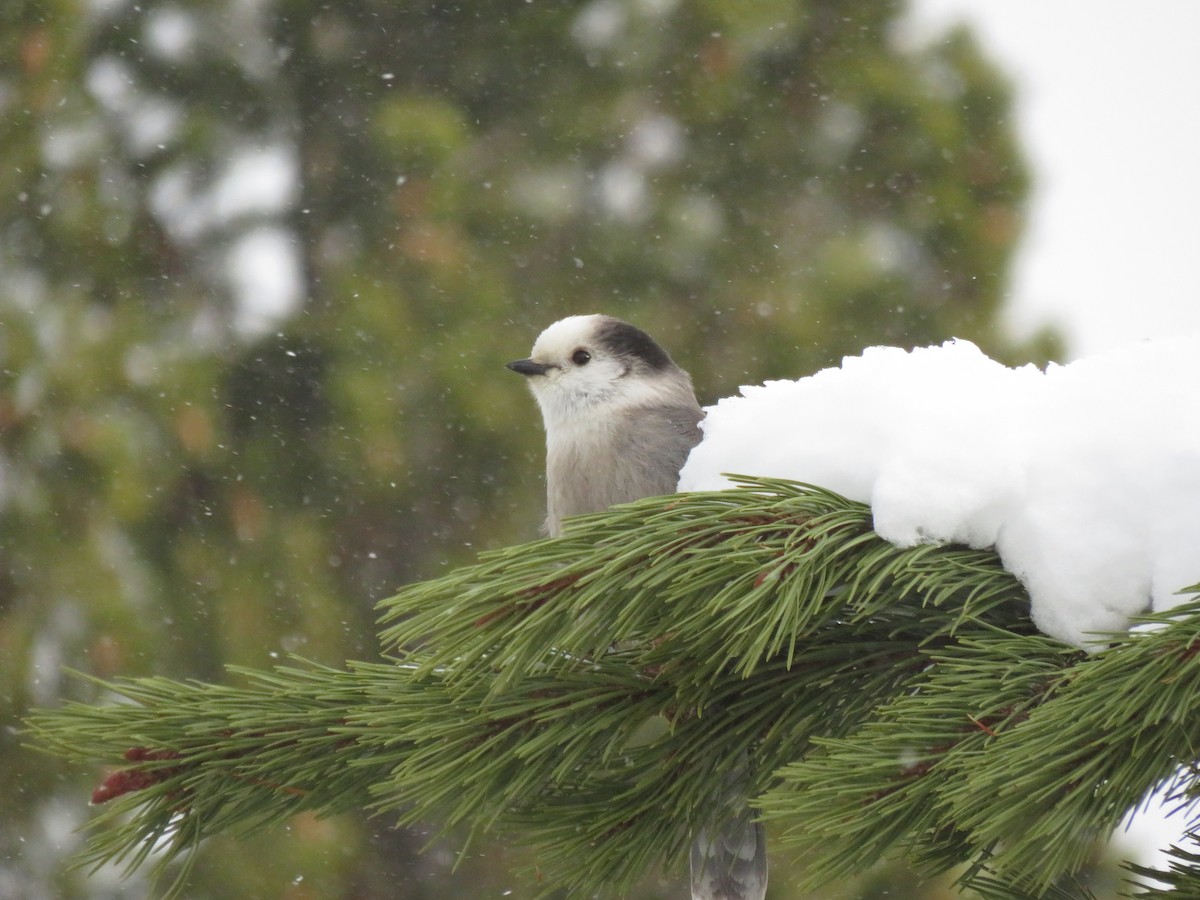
(261, 262)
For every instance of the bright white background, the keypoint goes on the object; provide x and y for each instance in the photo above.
(1108, 110)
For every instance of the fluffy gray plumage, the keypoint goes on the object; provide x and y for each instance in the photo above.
(621, 419)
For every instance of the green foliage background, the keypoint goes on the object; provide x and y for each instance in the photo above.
(189, 481)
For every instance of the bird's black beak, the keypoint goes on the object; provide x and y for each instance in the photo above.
(528, 367)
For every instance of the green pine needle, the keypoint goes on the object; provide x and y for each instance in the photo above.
(594, 695)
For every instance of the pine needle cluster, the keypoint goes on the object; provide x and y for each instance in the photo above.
(594, 694)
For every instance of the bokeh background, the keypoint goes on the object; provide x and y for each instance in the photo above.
(262, 262)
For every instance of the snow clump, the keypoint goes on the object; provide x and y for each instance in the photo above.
(1084, 477)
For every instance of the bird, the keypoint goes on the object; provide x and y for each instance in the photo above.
(620, 419)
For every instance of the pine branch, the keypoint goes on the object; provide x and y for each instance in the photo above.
(729, 578)
(1122, 723)
(208, 759)
(856, 798)
(593, 694)
(1180, 881)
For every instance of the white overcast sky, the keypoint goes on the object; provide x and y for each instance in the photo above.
(1108, 110)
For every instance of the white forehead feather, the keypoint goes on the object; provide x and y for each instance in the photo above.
(565, 335)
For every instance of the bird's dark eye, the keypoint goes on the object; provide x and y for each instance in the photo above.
(581, 357)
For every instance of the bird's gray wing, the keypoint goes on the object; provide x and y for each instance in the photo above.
(657, 441)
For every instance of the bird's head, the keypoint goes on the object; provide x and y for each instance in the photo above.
(591, 364)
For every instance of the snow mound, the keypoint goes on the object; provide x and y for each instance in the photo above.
(1085, 478)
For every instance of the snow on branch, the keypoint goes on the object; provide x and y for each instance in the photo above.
(1085, 478)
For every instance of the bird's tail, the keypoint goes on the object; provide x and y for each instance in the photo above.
(729, 860)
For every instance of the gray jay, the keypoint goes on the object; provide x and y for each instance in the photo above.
(621, 419)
